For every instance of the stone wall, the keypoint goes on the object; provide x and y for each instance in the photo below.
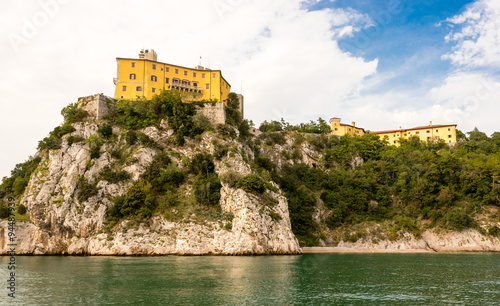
(215, 112)
(98, 105)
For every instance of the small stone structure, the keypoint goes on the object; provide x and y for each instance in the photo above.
(215, 112)
(98, 105)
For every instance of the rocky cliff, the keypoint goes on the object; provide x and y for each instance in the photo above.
(64, 223)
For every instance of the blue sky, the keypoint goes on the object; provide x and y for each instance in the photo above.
(406, 36)
(382, 64)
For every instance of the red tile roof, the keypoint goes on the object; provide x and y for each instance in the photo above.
(415, 128)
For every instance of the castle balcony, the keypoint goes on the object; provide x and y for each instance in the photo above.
(186, 87)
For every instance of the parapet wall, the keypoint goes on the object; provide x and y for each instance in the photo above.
(98, 105)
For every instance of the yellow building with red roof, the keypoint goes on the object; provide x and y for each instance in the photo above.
(436, 132)
(144, 77)
(445, 132)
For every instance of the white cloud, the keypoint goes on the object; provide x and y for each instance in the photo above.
(284, 54)
(478, 38)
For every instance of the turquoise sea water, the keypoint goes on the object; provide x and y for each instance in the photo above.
(313, 279)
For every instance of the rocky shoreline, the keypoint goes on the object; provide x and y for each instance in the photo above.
(431, 241)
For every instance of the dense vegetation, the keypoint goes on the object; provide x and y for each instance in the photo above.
(363, 179)
(319, 127)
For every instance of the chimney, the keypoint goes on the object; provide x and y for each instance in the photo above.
(430, 123)
(353, 124)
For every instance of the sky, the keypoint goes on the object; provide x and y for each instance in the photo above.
(382, 64)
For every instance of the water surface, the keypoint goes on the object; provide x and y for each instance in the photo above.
(314, 279)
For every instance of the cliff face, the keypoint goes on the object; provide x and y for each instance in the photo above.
(62, 224)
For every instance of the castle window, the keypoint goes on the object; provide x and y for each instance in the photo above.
(449, 129)
(185, 72)
(449, 136)
(154, 90)
(161, 69)
(428, 138)
(213, 75)
(132, 64)
(132, 76)
(394, 141)
(437, 137)
(176, 71)
(417, 133)
(208, 86)
(202, 75)
(195, 84)
(437, 131)
(194, 74)
(139, 88)
(154, 78)
(428, 131)
(336, 129)
(124, 88)
(167, 69)
(167, 80)
(154, 66)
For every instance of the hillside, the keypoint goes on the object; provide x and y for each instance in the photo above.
(156, 177)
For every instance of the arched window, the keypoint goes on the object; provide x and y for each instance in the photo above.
(132, 76)
(139, 88)
(153, 78)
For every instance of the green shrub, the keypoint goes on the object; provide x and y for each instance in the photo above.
(113, 177)
(202, 164)
(494, 231)
(276, 138)
(85, 189)
(265, 163)
(105, 130)
(4, 212)
(74, 139)
(139, 202)
(95, 151)
(252, 183)
(459, 220)
(49, 143)
(225, 130)
(144, 140)
(19, 179)
(153, 171)
(275, 216)
(21, 209)
(72, 113)
(131, 138)
(207, 190)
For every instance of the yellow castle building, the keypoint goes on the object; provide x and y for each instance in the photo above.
(340, 129)
(144, 77)
(446, 132)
